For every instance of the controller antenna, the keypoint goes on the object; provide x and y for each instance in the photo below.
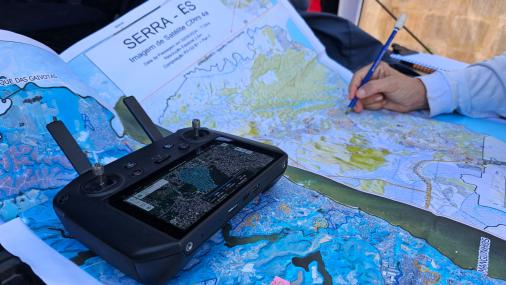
(69, 146)
(142, 118)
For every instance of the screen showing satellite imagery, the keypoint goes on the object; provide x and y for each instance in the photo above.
(191, 189)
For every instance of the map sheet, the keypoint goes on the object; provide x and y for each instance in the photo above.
(431, 204)
(268, 78)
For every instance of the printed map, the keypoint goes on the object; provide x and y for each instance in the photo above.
(271, 82)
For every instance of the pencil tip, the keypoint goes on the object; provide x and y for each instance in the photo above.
(347, 111)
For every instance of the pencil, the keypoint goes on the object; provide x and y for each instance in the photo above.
(398, 25)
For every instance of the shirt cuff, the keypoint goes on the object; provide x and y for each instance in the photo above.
(439, 93)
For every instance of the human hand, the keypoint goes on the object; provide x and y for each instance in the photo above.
(388, 89)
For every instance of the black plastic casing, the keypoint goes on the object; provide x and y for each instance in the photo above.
(138, 249)
(13, 271)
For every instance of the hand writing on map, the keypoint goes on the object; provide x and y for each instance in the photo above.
(388, 89)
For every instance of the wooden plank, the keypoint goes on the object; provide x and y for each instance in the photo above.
(467, 30)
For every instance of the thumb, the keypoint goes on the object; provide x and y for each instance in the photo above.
(383, 85)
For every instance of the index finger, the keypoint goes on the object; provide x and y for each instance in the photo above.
(356, 80)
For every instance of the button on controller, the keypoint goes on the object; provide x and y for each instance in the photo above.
(183, 146)
(130, 165)
(168, 146)
(159, 158)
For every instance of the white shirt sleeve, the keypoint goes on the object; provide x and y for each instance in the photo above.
(476, 91)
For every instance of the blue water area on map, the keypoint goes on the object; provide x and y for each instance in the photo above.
(493, 128)
(283, 225)
(297, 35)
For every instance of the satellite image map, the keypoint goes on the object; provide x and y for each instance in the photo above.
(370, 198)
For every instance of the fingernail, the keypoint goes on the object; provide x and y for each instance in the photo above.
(360, 93)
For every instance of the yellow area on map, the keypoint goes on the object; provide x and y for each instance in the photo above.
(295, 78)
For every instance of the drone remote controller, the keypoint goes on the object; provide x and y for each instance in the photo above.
(148, 211)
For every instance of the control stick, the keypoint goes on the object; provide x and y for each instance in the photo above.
(196, 128)
(98, 171)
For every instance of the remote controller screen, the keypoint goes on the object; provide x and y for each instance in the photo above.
(190, 190)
